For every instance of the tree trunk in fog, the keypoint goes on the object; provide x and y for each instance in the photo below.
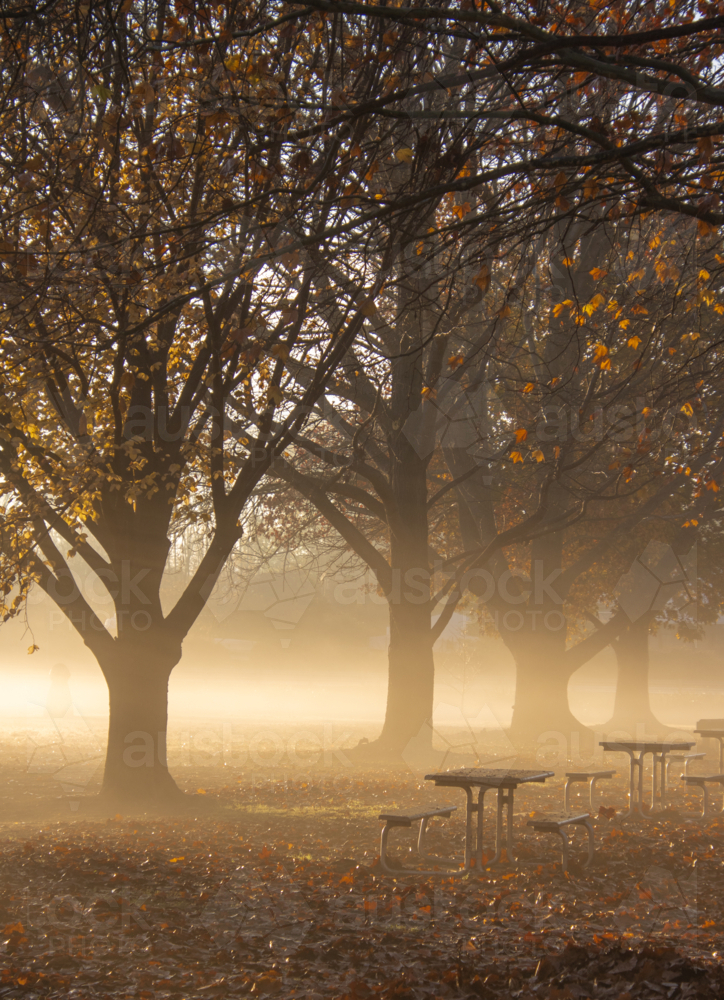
(541, 696)
(535, 632)
(411, 667)
(136, 769)
(632, 705)
(411, 676)
(138, 661)
(405, 581)
(528, 614)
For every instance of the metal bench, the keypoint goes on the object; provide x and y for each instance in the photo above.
(701, 781)
(558, 824)
(686, 758)
(713, 729)
(392, 820)
(591, 777)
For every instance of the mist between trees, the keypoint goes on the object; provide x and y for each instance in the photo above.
(434, 294)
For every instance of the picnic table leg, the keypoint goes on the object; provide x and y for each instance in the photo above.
(654, 783)
(663, 780)
(633, 764)
(503, 800)
(658, 762)
(469, 810)
(509, 840)
(479, 833)
(641, 796)
(669, 762)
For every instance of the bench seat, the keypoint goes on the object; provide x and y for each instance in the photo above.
(686, 758)
(591, 777)
(558, 824)
(406, 819)
(702, 781)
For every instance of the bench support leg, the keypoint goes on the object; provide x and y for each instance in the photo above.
(565, 845)
(420, 841)
(567, 795)
(383, 850)
(708, 809)
(591, 843)
(423, 853)
(592, 793)
(564, 849)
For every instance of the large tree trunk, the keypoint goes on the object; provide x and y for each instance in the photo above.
(411, 669)
(136, 769)
(632, 706)
(410, 686)
(528, 615)
(536, 635)
(541, 695)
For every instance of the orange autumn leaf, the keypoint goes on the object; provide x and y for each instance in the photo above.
(482, 278)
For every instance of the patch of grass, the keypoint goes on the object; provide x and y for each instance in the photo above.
(312, 811)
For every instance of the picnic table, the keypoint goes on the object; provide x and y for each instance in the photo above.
(658, 750)
(713, 729)
(484, 779)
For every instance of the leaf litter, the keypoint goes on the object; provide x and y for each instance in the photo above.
(274, 888)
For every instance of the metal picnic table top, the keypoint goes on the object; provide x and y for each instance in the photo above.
(710, 727)
(488, 777)
(647, 746)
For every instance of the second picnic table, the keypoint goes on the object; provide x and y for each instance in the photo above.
(658, 750)
(505, 781)
(713, 729)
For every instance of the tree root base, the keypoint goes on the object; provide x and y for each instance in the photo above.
(167, 801)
